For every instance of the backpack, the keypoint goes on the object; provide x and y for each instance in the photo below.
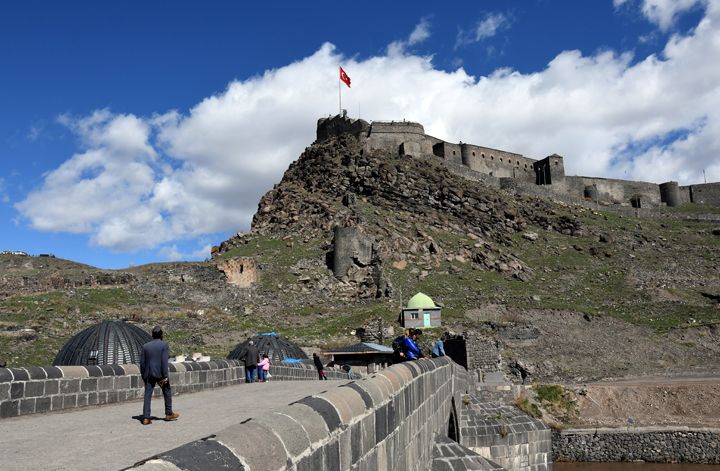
(397, 349)
(397, 343)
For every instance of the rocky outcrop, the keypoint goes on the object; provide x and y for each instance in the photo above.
(356, 260)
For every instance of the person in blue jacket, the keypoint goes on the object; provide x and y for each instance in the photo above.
(410, 348)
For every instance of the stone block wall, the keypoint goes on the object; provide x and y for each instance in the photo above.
(705, 193)
(656, 445)
(36, 390)
(483, 354)
(612, 191)
(506, 436)
(382, 422)
(498, 163)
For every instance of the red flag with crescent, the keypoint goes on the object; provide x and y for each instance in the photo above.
(344, 77)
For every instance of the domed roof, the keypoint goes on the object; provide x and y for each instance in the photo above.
(106, 343)
(420, 301)
(276, 347)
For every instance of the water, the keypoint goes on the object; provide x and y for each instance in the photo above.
(634, 467)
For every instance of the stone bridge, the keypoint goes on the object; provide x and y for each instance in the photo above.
(415, 416)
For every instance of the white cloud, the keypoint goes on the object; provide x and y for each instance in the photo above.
(487, 26)
(490, 25)
(421, 32)
(154, 181)
(172, 252)
(664, 13)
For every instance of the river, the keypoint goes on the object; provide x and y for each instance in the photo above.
(634, 467)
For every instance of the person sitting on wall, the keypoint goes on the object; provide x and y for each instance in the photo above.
(154, 371)
(410, 348)
(439, 347)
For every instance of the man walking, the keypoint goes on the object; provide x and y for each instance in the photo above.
(251, 358)
(154, 371)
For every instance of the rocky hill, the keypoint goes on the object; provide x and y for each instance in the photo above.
(568, 292)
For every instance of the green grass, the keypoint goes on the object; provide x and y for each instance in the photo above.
(693, 208)
(555, 399)
(530, 408)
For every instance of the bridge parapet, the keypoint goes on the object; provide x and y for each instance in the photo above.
(386, 421)
(37, 389)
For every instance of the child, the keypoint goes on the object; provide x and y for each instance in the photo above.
(264, 368)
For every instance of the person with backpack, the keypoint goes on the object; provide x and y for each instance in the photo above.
(410, 348)
(398, 355)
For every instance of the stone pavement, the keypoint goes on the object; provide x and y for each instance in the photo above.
(111, 438)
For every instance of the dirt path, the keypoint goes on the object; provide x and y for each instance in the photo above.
(646, 401)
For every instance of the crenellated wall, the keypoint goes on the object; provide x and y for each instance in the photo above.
(51, 388)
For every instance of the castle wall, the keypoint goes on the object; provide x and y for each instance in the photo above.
(704, 193)
(497, 163)
(549, 171)
(611, 190)
(337, 125)
(513, 171)
(392, 135)
(447, 151)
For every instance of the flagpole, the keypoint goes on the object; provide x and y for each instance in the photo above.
(339, 95)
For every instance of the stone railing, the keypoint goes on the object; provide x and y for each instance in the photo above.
(389, 420)
(651, 444)
(37, 389)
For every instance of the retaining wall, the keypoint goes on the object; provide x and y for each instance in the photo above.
(657, 445)
(386, 421)
(50, 388)
(507, 436)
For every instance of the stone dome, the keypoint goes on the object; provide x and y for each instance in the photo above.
(106, 343)
(276, 347)
(420, 301)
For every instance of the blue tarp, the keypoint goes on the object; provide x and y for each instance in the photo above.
(291, 360)
(269, 333)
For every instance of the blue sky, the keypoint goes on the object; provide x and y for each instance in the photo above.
(133, 132)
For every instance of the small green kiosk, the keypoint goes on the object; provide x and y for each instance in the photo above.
(421, 312)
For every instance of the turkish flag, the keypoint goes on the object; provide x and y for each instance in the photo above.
(344, 77)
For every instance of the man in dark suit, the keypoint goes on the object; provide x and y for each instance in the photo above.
(154, 371)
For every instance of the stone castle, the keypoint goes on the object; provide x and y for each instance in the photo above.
(512, 171)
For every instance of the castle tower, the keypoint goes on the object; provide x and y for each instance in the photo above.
(670, 194)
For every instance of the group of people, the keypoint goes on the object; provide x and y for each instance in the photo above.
(251, 358)
(155, 356)
(406, 346)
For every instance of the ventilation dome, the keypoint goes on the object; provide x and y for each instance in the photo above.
(276, 347)
(106, 343)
